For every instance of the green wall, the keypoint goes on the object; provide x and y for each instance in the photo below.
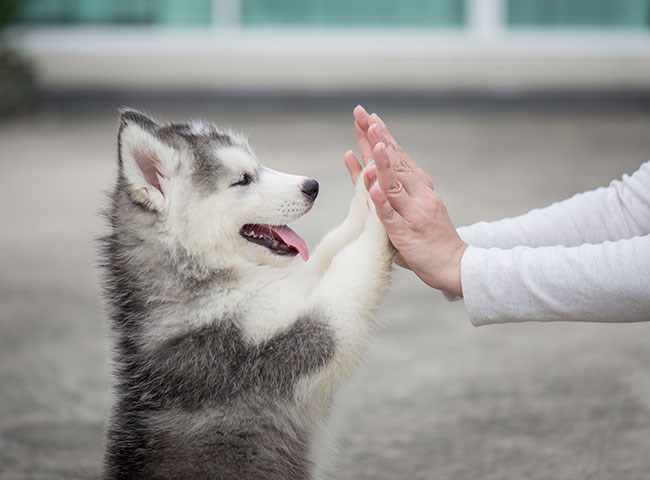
(138, 12)
(579, 13)
(420, 13)
(253, 12)
(632, 14)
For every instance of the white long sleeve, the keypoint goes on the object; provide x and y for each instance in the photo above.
(584, 259)
(619, 211)
(609, 282)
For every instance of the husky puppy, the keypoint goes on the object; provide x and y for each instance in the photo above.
(228, 339)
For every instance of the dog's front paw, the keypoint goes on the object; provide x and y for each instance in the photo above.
(361, 200)
(376, 229)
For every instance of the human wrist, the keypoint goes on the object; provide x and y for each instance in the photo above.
(450, 281)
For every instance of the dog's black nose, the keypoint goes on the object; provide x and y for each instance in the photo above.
(310, 189)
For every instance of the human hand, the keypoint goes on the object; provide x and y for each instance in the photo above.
(362, 121)
(414, 216)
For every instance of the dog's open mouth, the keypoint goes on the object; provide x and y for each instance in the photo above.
(280, 239)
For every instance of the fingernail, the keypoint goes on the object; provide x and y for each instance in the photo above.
(376, 129)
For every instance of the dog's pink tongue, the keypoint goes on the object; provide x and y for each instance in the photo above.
(292, 239)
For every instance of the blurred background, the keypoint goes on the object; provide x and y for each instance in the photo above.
(509, 104)
(498, 46)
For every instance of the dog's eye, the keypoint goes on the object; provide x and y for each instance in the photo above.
(245, 179)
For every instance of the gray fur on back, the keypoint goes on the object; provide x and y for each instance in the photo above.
(206, 403)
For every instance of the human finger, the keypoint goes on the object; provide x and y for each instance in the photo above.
(385, 134)
(378, 133)
(391, 219)
(361, 117)
(407, 172)
(389, 138)
(404, 173)
(364, 145)
(397, 196)
(352, 164)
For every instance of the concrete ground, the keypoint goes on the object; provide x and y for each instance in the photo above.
(436, 398)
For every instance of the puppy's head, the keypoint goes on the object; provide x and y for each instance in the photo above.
(207, 193)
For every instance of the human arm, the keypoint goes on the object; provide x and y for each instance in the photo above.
(414, 216)
(607, 282)
(600, 273)
(604, 282)
(619, 211)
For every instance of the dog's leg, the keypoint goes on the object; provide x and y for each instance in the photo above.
(345, 233)
(349, 295)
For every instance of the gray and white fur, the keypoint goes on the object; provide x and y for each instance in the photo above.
(227, 347)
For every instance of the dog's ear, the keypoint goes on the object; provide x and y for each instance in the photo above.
(148, 164)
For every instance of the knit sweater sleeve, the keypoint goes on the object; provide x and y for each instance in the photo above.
(608, 282)
(621, 210)
(584, 259)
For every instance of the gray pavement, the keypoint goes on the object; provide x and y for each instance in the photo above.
(435, 398)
